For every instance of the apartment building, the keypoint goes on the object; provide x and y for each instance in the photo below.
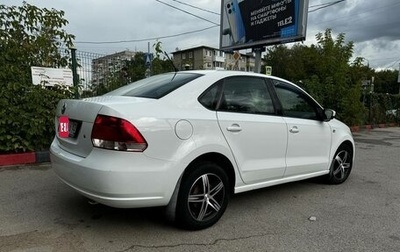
(105, 66)
(204, 57)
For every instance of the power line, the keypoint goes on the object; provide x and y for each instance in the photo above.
(326, 5)
(320, 5)
(212, 12)
(147, 39)
(189, 13)
(378, 59)
(394, 63)
(354, 15)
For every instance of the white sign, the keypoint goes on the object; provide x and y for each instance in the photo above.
(51, 76)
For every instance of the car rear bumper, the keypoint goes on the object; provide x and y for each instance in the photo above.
(117, 179)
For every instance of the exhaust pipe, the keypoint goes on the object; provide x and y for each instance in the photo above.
(92, 202)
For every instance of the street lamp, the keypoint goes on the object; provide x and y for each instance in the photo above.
(371, 90)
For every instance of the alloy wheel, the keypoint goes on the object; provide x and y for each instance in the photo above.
(341, 165)
(206, 197)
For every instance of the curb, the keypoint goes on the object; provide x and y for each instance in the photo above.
(24, 158)
(372, 126)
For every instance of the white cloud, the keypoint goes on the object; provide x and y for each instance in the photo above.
(372, 25)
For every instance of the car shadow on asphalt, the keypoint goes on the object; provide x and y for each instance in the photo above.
(76, 209)
(90, 215)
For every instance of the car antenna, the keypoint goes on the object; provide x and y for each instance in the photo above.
(172, 63)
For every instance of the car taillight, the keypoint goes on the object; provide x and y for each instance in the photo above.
(114, 133)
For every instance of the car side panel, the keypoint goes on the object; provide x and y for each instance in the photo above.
(309, 146)
(258, 144)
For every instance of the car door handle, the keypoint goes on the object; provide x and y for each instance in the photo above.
(234, 128)
(294, 129)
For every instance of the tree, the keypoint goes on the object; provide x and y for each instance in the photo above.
(278, 57)
(324, 71)
(386, 82)
(336, 88)
(30, 36)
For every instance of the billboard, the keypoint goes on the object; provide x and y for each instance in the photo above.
(257, 23)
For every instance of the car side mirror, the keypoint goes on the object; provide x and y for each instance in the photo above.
(329, 114)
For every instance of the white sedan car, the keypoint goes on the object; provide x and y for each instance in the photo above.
(189, 140)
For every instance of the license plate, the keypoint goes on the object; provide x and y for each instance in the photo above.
(73, 128)
(63, 126)
(67, 127)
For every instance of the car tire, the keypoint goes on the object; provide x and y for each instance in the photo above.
(341, 165)
(203, 196)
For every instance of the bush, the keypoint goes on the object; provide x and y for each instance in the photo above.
(27, 117)
(30, 36)
(380, 107)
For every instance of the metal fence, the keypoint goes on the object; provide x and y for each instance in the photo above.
(85, 69)
(83, 64)
(92, 70)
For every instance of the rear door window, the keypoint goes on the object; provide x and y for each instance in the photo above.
(246, 95)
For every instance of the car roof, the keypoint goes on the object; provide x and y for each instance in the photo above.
(227, 73)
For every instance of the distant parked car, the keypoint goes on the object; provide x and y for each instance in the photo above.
(189, 140)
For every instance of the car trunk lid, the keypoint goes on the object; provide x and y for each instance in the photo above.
(81, 115)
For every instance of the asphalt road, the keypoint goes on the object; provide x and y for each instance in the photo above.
(40, 213)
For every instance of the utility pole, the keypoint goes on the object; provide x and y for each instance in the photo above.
(257, 67)
(371, 91)
(398, 78)
(148, 61)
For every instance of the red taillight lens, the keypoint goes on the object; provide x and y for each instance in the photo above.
(116, 134)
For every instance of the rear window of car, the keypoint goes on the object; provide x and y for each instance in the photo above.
(155, 86)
